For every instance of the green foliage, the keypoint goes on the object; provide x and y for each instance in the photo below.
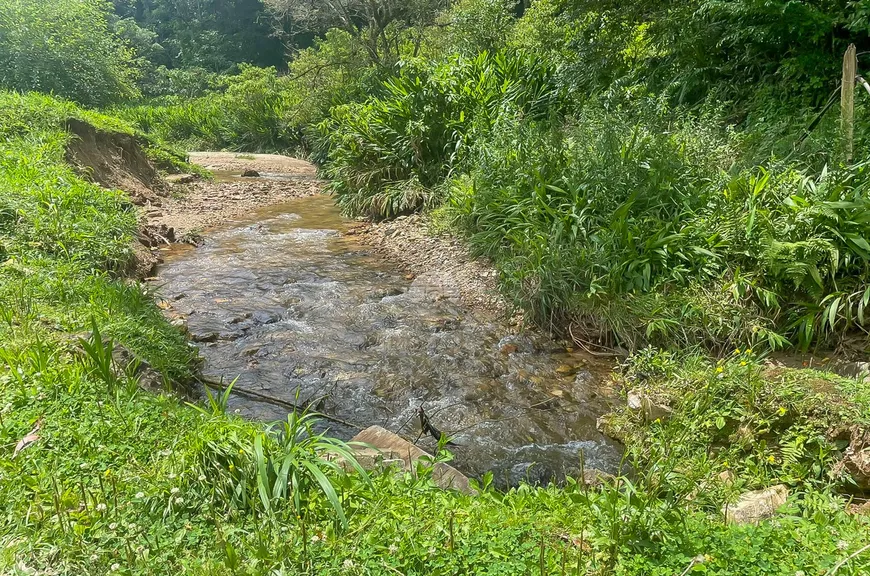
(417, 130)
(65, 239)
(214, 35)
(64, 47)
(256, 113)
(476, 26)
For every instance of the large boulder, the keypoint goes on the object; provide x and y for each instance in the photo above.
(385, 448)
(753, 507)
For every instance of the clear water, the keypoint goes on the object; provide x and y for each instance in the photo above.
(299, 311)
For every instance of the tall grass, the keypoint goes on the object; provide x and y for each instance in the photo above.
(256, 113)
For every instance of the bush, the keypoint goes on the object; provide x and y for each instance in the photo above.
(418, 128)
(64, 47)
(637, 224)
(256, 113)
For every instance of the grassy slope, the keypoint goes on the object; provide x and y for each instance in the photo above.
(127, 482)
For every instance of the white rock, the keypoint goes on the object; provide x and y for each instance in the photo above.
(753, 507)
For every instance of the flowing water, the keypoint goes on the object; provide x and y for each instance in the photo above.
(301, 312)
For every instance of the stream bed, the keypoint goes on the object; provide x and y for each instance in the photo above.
(298, 310)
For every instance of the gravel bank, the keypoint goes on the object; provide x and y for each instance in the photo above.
(443, 259)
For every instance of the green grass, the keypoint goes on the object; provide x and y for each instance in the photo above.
(121, 481)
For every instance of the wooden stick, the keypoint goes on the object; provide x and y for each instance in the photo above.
(847, 101)
(843, 562)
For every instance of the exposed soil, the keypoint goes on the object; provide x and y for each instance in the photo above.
(408, 242)
(114, 160)
(262, 163)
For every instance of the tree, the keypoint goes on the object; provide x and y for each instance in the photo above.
(381, 25)
(64, 47)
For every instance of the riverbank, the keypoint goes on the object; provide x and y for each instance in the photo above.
(410, 242)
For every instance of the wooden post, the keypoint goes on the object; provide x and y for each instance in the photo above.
(847, 101)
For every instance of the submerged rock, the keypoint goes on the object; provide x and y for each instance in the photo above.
(249, 173)
(753, 507)
(386, 448)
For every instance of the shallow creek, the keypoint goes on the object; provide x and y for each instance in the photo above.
(298, 310)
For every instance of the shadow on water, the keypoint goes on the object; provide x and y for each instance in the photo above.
(291, 305)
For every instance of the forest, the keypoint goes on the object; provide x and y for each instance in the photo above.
(671, 184)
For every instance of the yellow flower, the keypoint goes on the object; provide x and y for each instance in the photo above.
(749, 351)
(782, 411)
(771, 459)
(725, 464)
(743, 363)
(737, 350)
(719, 369)
(232, 467)
(241, 451)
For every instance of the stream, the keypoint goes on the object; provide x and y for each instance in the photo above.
(298, 310)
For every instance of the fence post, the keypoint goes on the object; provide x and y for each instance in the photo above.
(847, 101)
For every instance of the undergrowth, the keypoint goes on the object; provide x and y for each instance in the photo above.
(98, 476)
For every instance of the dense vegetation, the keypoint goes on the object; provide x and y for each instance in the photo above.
(639, 173)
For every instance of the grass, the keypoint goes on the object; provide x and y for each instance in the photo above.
(120, 481)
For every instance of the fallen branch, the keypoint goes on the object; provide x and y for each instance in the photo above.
(276, 402)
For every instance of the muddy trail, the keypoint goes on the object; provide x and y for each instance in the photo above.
(286, 299)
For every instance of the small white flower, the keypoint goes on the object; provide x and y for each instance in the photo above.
(116, 567)
(131, 527)
(179, 500)
(173, 476)
(165, 452)
(201, 478)
(315, 539)
(347, 564)
(101, 507)
(238, 410)
(140, 494)
(94, 558)
(800, 573)
(842, 545)
(431, 551)
(393, 549)
(174, 490)
(113, 526)
(83, 465)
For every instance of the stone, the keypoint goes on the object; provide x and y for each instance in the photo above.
(755, 506)
(860, 509)
(125, 363)
(204, 337)
(249, 173)
(594, 478)
(638, 401)
(383, 446)
(856, 458)
(181, 178)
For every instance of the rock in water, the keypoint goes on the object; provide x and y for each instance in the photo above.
(753, 507)
(249, 173)
(391, 448)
